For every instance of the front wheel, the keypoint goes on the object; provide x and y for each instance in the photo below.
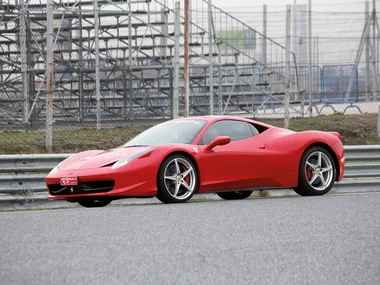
(236, 195)
(177, 179)
(317, 172)
(94, 203)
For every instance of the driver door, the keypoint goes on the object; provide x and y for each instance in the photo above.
(237, 165)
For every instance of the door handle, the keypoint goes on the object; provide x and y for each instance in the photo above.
(263, 146)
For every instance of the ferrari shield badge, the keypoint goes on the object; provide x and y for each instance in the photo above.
(195, 149)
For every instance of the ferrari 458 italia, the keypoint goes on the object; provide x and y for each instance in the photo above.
(226, 155)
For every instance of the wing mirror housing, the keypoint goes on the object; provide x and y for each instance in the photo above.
(222, 140)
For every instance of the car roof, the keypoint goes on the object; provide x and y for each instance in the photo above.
(214, 118)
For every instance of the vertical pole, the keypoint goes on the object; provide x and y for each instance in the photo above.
(24, 62)
(264, 51)
(265, 25)
(125, 88)
(315, 74)
(163, 44)
(186, 61)
(378, 64)
(190, 39)
(310, 89)
(50, 77)
(210, 58)
(317, 51)
(378, 59)
(164, 31)
(378, 123)
(177, 35)
(190, 23)
(287, 69)
(314, 48)
(220, 86)
(374, 52)
(367, 65)
(318, 68)
(81, 71)
(171, 91)
(295, 27)
(125, 112)
(97, 64)
(220, 76)
(130, 50)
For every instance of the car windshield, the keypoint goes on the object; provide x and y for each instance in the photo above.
(175, 131)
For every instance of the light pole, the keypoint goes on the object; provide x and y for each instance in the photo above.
(310, 89)
(186, 61)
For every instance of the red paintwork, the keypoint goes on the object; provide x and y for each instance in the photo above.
(268, 160)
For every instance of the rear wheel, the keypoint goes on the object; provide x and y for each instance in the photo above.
(317, 172)
(94, 203)
(236, 195)
(177, 179)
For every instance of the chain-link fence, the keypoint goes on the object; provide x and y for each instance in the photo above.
(114, 65)
(345, 44)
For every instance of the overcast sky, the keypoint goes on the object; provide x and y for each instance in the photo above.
(245, 3)
(339, 33)
(317, 5)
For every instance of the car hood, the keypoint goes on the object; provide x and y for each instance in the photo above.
(98, 159)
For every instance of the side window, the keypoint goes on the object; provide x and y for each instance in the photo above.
(236, 130)
(258, 128)
(254, 130)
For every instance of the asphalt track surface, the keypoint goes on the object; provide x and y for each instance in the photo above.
(333, 239)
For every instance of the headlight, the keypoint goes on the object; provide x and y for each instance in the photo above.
(125, 160)
(120, 163)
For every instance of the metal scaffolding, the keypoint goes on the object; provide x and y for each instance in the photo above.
(117, 60)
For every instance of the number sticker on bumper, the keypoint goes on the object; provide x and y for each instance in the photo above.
(69, 181)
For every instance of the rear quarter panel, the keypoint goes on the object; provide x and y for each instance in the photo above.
(285, 149)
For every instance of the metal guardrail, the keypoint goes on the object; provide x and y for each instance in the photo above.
(21, 175)
(21, 163)
(364, 152)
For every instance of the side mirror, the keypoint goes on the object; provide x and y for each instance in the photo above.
(222, 140)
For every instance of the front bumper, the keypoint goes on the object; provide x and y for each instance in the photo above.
(104, 183)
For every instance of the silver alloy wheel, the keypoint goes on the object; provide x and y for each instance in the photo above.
(319, 170)
(179, 178)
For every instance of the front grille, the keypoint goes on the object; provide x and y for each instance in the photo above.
(81, 188)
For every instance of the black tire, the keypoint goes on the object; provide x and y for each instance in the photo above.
(177, 179)
(317, 172)
(94, 203)
(236, 195)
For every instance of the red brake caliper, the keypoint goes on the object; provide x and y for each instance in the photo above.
(308, 173)
(187, 178)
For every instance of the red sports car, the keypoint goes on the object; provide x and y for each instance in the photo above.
(179, 158)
